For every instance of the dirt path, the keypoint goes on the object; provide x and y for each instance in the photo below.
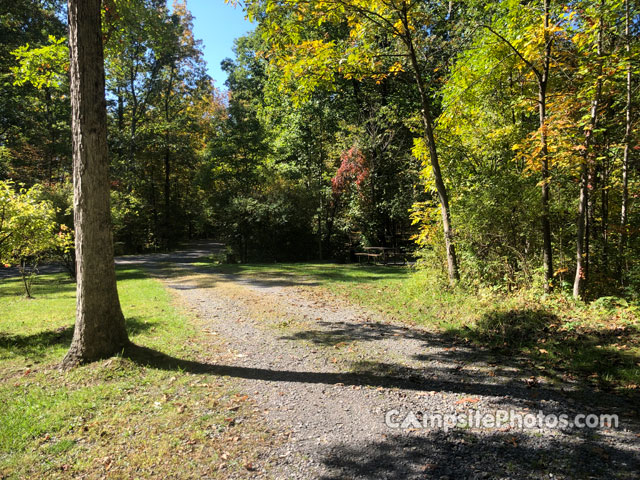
(325, 372)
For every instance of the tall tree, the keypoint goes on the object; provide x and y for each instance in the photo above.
(100, 328)
(541, 73)
(587, 161)
(414, 34)
(624, 207)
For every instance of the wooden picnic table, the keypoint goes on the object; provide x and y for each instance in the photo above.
(373, 253)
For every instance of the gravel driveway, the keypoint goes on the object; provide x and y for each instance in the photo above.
(325, 373)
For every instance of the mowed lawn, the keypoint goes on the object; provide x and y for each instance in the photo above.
(141, 417)
(149, 414)
(559, 338)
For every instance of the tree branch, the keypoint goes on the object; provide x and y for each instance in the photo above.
(517, 52)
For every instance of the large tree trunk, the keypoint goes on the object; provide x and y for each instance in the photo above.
(578, 282)
(100, 328)
(625, 160)
(543, 81)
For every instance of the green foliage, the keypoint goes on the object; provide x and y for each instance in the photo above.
(28, 230)
(164, 112)
(34, 125)
(27, 224)
(255, 166)
(45, 66)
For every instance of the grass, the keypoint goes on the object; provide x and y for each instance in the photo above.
(144, 415)
(561, 339)
(131, 416)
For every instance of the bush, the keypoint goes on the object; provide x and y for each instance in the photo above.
(28, 230)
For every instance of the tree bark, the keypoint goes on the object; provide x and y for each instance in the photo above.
(580, 278)
(625, 160)
(543, 81)
(452, 261)
(100, 327)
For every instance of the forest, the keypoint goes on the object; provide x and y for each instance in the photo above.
(399, 241)
(494, 140)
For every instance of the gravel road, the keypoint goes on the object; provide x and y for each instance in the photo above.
(325, 372)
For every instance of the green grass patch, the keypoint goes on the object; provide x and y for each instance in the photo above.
(560, 338)
(144, 414)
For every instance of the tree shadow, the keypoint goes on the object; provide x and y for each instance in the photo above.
(35, 345)
(448, 363)
(321, 272)
(268, 280)
(370, 374)
(129, 274)
(336, 333)
(372, 377)
(601, 354)
(464, 454)
(514, 329)
(43, 284)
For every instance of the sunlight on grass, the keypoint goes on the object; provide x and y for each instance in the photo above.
(116, 417)
(561, 338)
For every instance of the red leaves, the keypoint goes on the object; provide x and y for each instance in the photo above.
(353, 169)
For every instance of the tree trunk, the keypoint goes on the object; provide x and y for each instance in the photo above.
(100, 327)
(543, 80)
(580, 236)
(604, 200)
(167, 222)
(579, 280)
(625, 160)
(452, 261)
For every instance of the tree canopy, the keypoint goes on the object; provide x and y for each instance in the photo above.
(497, 139)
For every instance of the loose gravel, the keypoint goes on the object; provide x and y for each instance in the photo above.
(324, 373)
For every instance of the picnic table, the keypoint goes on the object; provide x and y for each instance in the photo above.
(374, 253)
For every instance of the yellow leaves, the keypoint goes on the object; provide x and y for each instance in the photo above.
(43, 66)
(396, 68)
(420, 151)
(555, 29)
(379, 77)
(309, 58)
(425, 214)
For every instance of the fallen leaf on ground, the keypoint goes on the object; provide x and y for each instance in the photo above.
(466, 400)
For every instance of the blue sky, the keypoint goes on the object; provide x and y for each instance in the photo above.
(217, 25)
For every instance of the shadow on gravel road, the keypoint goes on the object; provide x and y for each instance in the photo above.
(154, 359)
(332, 333)
(468, 455)
(371, 374)
(457, 454)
